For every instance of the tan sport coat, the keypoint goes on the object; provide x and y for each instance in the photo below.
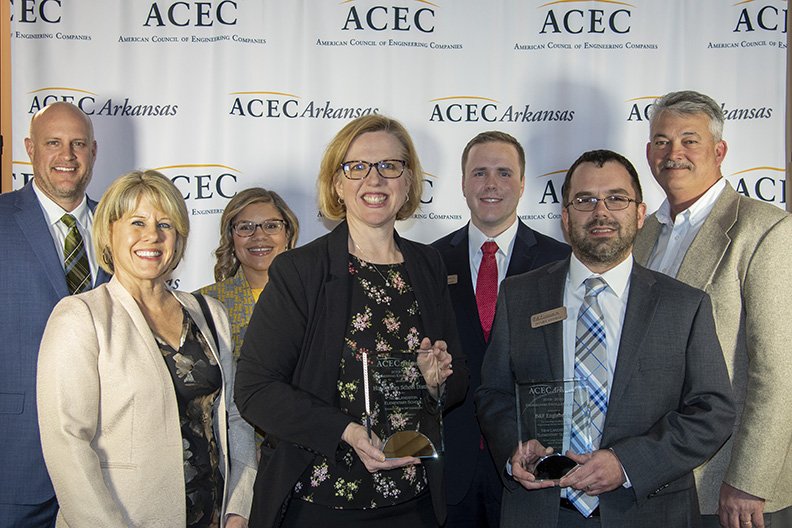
(109, 419)
(742, 257)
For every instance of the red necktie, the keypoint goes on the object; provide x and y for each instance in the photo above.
(487, 287)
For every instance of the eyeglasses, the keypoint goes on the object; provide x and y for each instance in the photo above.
(247, 229)
(387, 168)
(614, 202)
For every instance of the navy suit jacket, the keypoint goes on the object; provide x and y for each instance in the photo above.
(462, 433)
(31, 283)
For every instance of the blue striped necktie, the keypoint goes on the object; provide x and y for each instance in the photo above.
(75, 259)
(591, 365)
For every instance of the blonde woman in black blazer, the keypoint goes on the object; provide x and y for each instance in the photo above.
(291, 372)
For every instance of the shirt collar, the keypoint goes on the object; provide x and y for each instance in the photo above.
(617, 277)
(697, 212)
(54, 212)
(505, 240)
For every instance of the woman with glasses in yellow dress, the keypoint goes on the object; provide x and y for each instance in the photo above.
(256, 226)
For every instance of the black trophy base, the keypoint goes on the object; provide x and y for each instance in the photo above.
(553, 467)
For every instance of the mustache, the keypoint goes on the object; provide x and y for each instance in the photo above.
(671, 164)
(602, 223)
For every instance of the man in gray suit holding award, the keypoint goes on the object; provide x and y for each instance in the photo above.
(738, 250)
(643, 344)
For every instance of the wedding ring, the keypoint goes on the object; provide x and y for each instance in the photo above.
(746, 523)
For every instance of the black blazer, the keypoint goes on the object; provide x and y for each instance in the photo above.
(462, 433)
(288, 367)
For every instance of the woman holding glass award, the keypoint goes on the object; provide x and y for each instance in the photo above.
(323, 366)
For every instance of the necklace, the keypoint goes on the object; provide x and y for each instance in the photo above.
(368, 261)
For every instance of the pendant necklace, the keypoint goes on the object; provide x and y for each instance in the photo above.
(368, 261)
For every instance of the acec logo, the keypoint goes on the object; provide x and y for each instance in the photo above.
(395, 18)
(32, 11)
(275, 105)
(202, 181)
(191, 14)
(473, 108)
(92, 104)
(760, 16)
(764, 183)
(639, 110)
(613, 17)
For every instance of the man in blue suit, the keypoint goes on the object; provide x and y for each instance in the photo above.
(62, 151)
(493, 180)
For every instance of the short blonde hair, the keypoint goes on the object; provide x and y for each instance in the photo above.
(227, 261)
(330, 169)
(122, 197)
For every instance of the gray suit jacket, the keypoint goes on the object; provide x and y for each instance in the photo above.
(741, 257)
(670, 405)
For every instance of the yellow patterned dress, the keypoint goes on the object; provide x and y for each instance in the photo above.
(239, 299)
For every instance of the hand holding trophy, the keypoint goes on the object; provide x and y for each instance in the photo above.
(404, 399)
(545, 412)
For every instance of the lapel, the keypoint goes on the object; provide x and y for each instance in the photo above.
(523, 254)
(550, 293)
(337, 291)
(646, 240)
(425, 288)
(641, 307)
(462, 295)
(712, 241)
(33, 224)
(121, 296)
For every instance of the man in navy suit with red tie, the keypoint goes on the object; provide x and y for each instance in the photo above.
(495, 244)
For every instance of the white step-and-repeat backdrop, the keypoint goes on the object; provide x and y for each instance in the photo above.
(221, 95)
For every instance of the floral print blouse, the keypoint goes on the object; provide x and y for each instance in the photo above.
(197, 381)
(384, 317)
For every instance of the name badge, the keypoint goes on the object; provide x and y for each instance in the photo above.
(549, 317)
(453, 279)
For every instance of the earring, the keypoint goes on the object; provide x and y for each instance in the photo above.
(107, 258)
(340, 201)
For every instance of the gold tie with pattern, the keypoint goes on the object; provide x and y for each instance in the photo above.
(75, 259)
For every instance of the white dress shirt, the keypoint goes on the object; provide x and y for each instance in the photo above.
(677, 234)
(505, 243)
(58, 230)
(613, 303)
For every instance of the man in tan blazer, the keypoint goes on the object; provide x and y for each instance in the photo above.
(738, 250)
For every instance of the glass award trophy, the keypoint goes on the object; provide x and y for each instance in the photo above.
(399, 408)
(544, 413)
